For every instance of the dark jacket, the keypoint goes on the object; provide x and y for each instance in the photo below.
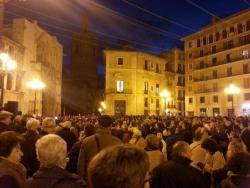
(4, 127)
(55, 178)
(29, 159)
(92, 145)
(236, 181)
(12, 175)
(68, 137)
(178, 174)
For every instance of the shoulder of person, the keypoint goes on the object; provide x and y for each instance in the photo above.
(7, 181)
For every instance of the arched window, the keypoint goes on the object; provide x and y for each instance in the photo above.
(224, 34)
(248, 25)
(240, 28)
(217, 36)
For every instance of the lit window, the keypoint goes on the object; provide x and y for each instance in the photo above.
(157, 89)
(120, 86)
(245, 54)
(145, 87)
(120, 61)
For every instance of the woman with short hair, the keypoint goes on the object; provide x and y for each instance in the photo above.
(12, 172)
(52, 153)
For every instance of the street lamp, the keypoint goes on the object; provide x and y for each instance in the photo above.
(7, 65)
(36, 85)
(165, 94)
(231, 90)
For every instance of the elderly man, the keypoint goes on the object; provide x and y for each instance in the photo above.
(48, 126)
(95, 143)
(118, 166)
(28, 146)
(5, 121)
(178, 172)
(52, 153)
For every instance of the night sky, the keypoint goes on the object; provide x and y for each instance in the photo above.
(147, 25)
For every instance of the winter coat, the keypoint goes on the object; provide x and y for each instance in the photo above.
(236, 181)
(29, 159)
(12, 175)
(92, 145)
(55, 177)
(4, 127)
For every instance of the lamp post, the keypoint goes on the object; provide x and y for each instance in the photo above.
(231, 90)
(166, 96)
(36, 85)
(7, 65)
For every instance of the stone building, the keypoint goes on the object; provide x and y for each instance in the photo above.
(134, 82)
(176, 64)
(84, 94)
(38, 55)
(216, 56)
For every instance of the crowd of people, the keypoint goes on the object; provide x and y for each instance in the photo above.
(124, 152)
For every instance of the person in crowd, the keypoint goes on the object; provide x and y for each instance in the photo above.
(48, 126)
(52, 154)
(137, 138)
(28, 146)
(245, 137)
(95, 143)
(5, 121)
(178, 172)
(89, 130)
(155, 156)
(67, 135)
(118, 166)
(214, 157)
(12, 172)
(198, 153)
(239, 171)
(163, 144)
(19, 124)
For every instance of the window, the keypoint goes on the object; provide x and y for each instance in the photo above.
(152, 101)
(224, 34)
(120, 61)
(210, 38)
(190, 44)
(157, 102)
(157, 90)
(245, 54)
(145, 87)
(157, 68)
(215, 99)
(166, 66)
(204, 40)
(190, 78)
(231, 29)
(202, 64)
(246, 96)
(228, 58)
(9, 81)
(190, 100)
(228, 44)
(201, 53)
(214, 61)
(215, 74)
(245, 68)
(145, 102)
(246, 83)
(217, 36)
(248, 25)
(229, 98)
(146, 65)
(190, 55)
(240, 28)
(213, 49)
(198, 43)
(120, 86)
(229, 71)
(202, 99)
(189, 89)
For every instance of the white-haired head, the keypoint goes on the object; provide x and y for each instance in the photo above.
(49, 125)
(32, 124)
(51, 151)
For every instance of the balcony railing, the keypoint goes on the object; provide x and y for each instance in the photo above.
(113, 91)
(199, 67)
(179, 71)
(180, 84)
(206, 78)
(224, 48)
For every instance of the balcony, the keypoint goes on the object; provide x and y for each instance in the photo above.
(207, 78)
(180, 98)
(180, 84)
(180, 71)
(232, 60)
(203, 91)
(224, 48)
(113, 91)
